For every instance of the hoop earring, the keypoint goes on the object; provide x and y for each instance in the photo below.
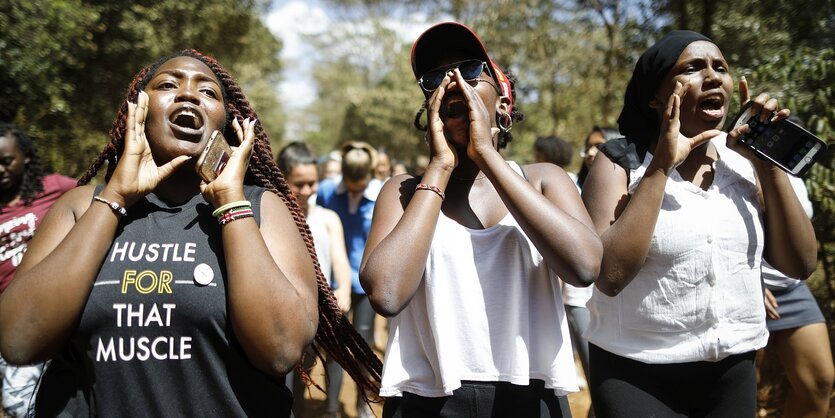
(504, 121)
(420, 112)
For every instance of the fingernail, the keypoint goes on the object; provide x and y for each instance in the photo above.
(742, 78)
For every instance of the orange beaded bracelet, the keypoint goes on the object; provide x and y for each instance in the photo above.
(431, 188)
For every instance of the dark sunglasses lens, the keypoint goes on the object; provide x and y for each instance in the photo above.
(471, 70)
(431, 80)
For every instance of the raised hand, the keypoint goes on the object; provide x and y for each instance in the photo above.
(673, 147)
(229, 185)
(766, 108)
(440, 150)
(481, 130)
(137, 173)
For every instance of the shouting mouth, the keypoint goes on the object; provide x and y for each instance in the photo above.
(713, 106)
(187, 121)
(455, 108)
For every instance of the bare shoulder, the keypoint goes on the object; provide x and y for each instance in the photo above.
(543, 170)
(605, 176)
(400, 187)
(542, 175)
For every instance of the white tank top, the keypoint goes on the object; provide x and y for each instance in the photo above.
(498, 319)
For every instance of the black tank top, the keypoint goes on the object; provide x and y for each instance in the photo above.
(155, 337)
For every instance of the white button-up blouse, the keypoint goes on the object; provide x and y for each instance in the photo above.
(698, 296)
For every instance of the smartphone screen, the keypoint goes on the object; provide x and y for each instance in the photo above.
(784, 143)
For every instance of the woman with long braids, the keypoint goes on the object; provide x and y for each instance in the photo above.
(465, 258)
(158, 294)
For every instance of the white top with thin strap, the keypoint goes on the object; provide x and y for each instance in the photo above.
(487, 309)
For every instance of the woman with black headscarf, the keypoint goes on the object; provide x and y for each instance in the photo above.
(685, 215)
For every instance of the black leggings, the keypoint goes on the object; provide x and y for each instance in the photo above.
(625, 388)
(482, 399)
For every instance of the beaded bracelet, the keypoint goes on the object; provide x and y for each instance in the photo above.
(234, 215)
(431, 188)
(119, 209)
(239, 204)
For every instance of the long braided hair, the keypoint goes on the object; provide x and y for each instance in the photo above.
(335, 335)
(33, 174)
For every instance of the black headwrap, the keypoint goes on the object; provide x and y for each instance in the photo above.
(637, 121)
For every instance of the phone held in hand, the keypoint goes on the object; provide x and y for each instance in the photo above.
(214, 157)
(784, 143)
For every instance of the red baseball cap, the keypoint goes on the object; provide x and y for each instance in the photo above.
(447, 38)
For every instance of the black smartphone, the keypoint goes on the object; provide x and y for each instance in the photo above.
(784, 143)
(214, 157)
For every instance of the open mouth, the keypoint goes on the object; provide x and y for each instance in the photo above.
(713, 105)
(187, 121)
(455, 108)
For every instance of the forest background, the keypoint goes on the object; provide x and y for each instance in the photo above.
(65, 65)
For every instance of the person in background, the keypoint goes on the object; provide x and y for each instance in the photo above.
(353, 197)
(298, 164)
(555, 150)
(798, 334)
(159, 293)
(26, 193)
(383, 169)
(398, 168)
(686, 215)
(421, 162)
(331, 166)
(465, 259)
(595, 138)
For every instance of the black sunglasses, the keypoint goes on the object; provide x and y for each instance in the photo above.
(470, 70)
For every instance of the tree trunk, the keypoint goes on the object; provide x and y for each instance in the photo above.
(708, 10)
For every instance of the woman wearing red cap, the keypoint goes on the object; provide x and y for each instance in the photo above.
(465, 258)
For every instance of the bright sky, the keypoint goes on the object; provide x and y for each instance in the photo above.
(288, 20)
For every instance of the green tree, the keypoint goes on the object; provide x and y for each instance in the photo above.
(567, 57)
(66, 64)
(365, 89)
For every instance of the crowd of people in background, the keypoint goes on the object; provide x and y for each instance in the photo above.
(662, 266)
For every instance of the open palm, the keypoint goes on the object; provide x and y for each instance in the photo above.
(137, 173)
(673, 147)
